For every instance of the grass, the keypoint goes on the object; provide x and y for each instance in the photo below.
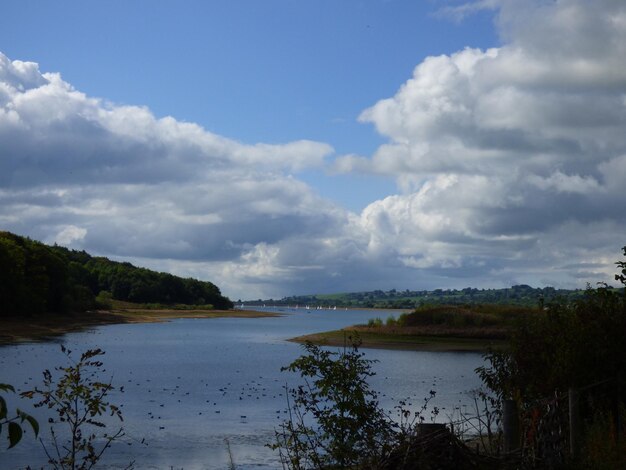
(435, 328)
(412, 342)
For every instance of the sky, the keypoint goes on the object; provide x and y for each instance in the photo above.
(284, 147)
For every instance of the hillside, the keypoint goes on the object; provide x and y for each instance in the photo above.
(37, 278)
(521, 295)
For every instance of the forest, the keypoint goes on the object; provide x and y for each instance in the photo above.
(36, 278)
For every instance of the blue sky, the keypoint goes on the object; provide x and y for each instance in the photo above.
(286, 147)
(256, 71)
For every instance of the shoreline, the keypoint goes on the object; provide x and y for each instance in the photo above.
(14, 330)
(401, 341)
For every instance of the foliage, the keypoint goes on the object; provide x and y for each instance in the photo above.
(335, 421)
(104, 300)
(37, 279)
(568, 345)
(577, 344)
(80, 401)
(128, 283)
(14, 424)
(33, 279)
(467, 316)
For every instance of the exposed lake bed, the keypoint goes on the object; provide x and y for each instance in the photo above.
(192, 385)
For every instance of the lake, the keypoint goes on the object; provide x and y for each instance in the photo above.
(195, 387)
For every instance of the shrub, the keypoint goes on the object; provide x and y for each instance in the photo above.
(79, 399)
(578, 344)
(335, 420)
(391, 321)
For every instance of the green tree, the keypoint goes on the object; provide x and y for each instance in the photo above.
(12, 262)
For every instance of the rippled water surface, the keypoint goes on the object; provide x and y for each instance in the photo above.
(195, 387)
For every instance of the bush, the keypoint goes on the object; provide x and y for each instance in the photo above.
(578, 344)
(335, 421)
(79, 399)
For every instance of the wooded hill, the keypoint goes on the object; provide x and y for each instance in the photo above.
(522, 295)
(37, 278)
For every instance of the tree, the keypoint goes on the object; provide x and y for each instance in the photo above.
(12, 261)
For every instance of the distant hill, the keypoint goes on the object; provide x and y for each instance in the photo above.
(37, 278)
(522, 295)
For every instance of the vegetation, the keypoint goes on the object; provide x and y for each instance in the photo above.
(38, 279)
(445, 327)
(564, 360)
(335, 422)
(520, 295)
(335, 418)
(15, 423)
(79, 400)
(576, 346)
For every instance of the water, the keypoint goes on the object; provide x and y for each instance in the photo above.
(192, 385)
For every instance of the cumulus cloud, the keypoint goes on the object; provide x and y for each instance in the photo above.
(510, 163)
(116, 180)
(89, 139)
(498, 151)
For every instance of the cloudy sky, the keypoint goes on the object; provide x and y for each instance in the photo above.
(285, 147)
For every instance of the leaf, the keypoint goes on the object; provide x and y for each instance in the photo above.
(33, 424)
(7, 388)
(32, 421)
(3, 408)
(15, 434)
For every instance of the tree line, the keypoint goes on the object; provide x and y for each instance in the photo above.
(522, 295)
(36, 278)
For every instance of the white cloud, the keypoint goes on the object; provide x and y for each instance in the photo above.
(458, 13)
(116, 180)
(497, 151)
(70, 235)
(511, 164)
(89, 139)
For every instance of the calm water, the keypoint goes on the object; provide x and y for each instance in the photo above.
(193, 385)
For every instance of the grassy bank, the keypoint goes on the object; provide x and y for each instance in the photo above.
(43, 327)
(374, 338)
(435, 328)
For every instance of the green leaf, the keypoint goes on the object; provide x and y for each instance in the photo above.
(3, 408)
(33, 424)
(32, 421)
(15, 434)
(7, 388)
